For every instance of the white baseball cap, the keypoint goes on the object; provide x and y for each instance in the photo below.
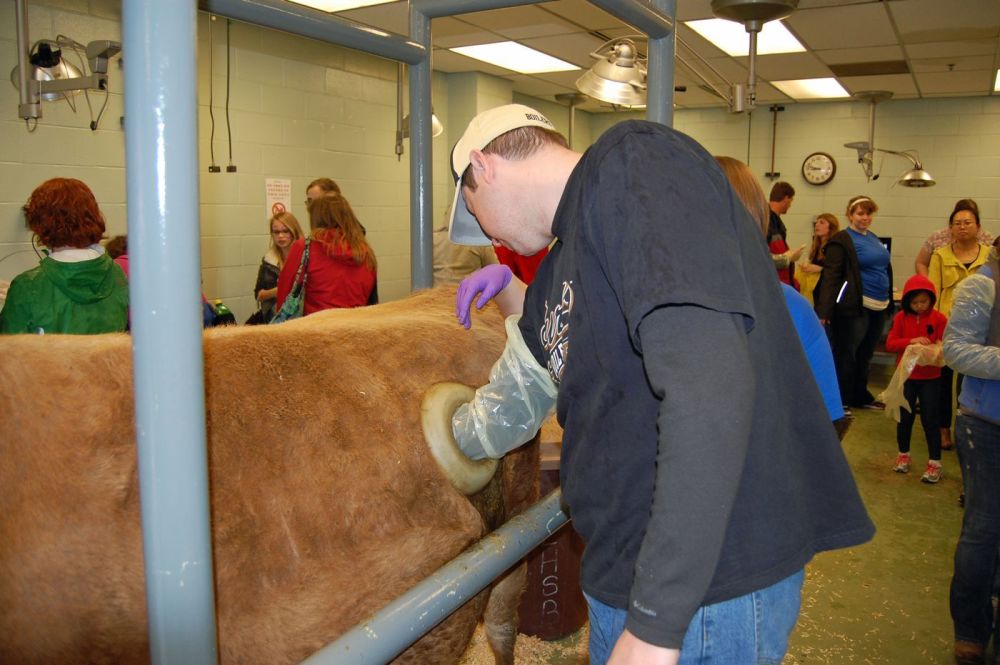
(463, 229)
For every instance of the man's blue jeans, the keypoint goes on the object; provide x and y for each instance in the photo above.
(978, 444)
(750, 629)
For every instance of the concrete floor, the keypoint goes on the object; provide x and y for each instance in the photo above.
(884, 602)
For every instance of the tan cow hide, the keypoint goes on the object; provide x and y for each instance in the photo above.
(325, 502)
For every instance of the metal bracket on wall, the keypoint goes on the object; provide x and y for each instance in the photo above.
(772, 174)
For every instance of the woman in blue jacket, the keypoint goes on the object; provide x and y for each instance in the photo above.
(972, 347)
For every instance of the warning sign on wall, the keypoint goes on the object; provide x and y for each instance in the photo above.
(278, 195)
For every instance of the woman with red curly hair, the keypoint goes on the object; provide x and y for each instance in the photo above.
(77, 288)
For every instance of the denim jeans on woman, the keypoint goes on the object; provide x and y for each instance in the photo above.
(749, 629)
(978, 443)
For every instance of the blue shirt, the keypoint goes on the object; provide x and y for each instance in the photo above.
(817, 349)
(873, 259)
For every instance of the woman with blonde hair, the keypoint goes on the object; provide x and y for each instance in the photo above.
(342, 268)
(285, 230)
(824, 227)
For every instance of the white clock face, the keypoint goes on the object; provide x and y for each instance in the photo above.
(818, 168)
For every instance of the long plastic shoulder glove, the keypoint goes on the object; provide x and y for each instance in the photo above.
(965, 348)
(509, 410)
(894, 396)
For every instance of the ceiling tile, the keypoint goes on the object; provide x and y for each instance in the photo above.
(786, 66)
(946, 49)
(529, 85)
(852, 26)
(565, 79)
(813, 4)
(694, 10)
(449, 61)
(842, 56)
(574, 48)
(392, 17)
(900, 85)
(964, 64)
(520, 22)
(933, 20)
(939, 83)
(453, 32)
(582, 13)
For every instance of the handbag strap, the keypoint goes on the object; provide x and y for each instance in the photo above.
(303, 271)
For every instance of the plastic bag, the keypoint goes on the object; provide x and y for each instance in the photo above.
(915, 354)
(509, 410)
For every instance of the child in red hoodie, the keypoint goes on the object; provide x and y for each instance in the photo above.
(919, 323)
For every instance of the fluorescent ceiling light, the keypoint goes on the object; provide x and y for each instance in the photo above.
(339, 5)
(516, 57)
(733, 38)
(827, 88)
(996, 83)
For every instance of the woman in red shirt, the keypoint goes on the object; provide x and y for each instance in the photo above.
(341, 270)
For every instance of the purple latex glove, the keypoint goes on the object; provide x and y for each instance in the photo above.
(488, 282)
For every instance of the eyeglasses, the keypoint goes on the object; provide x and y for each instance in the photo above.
(285, 232)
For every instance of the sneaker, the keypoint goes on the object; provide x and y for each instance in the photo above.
(847, 412)
(932, 474)
(874, 405)
(902, 463)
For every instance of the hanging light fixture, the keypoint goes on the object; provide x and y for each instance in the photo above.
(437, 129)
(403, 122)
(48, 65)
(43, 74)
(915, 177)
(618, 76)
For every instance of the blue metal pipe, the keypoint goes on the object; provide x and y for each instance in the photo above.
(439, 8)
(642, 15)
(637, 13)
(161, 133)
(421, 178)
(660, 76)
(320, 25)
(387, 633)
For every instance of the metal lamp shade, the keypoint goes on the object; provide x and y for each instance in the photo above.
(917, 177)
(618, 76)
(437, 129)
(63, 70)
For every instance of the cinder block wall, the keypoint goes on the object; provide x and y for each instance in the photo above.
(958, 140)
(301, 109)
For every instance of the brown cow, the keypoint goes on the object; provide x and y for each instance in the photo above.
(325, 502)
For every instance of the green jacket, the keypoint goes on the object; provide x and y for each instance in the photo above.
(81, 298)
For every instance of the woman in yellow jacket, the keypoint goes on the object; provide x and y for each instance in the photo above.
(950, 264)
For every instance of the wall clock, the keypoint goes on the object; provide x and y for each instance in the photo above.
(818, 168)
